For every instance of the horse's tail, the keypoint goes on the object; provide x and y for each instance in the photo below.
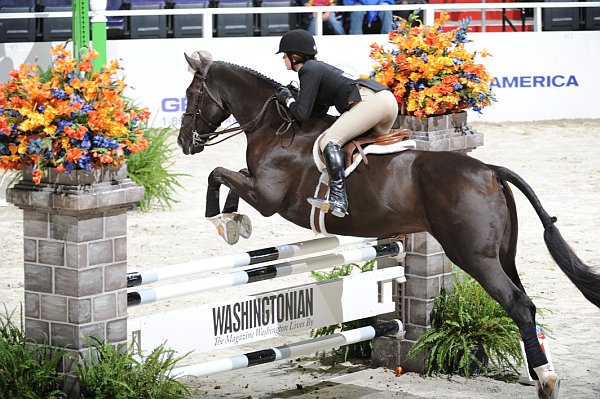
(584, 278)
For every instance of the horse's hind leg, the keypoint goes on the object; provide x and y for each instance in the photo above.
(490, 274)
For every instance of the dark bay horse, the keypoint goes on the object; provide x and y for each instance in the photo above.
(465, 204)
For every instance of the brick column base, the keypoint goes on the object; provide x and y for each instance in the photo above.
(75, 258)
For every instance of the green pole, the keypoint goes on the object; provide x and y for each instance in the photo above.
(81, 27)
(99, 33)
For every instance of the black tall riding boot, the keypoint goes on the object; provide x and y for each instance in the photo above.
(337, 203)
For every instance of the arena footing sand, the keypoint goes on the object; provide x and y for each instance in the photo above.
(559, 159)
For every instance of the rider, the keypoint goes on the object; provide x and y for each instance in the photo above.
(362, 104)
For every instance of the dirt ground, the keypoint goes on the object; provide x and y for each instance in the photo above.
(559, 159)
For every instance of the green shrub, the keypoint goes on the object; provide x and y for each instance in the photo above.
(150, 168)
(359, 350)
(27, 370)
(462, 320)
(116, 372)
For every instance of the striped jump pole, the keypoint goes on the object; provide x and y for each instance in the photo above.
(392, 327)
(149, 295)
(135, 279)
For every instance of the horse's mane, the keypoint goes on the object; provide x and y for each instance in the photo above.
(251, 72)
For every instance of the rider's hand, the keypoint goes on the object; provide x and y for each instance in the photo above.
(283, 95)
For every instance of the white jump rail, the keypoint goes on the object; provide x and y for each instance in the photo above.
(268, 254)
(154, 294)
(393, 327)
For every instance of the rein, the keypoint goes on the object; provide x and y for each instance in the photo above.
(206, 139)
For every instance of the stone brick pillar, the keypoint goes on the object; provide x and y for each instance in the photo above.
(75, 257)
(427, 269)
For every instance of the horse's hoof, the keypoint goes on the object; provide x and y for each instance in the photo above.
(228, 229)
(549, 388)
(244, 225)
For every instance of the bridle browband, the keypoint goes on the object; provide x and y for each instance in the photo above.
(205, 139)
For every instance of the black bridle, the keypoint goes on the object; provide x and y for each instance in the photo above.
(205, 139)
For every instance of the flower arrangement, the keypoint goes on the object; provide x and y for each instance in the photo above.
(429, 71)
(67, 117)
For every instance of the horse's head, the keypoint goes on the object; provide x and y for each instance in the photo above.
(205, 110)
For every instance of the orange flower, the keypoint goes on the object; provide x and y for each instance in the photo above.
(429, 70)
(74, 154)
(37, 176)
(46, 116)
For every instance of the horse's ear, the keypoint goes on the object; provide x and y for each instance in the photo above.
(198, 60)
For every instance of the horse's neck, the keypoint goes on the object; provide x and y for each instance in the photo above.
(244, 92)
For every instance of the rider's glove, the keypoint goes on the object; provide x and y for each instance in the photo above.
(284, 96)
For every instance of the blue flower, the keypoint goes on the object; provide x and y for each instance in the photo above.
(102, 142)
(35, 146)
(423, 57)
(59, 94)
(61, 125)
(85, 143)
(68, 166)
(87, 108)
(85, 163)
(461, 32)
(457, 61)
(457, 86)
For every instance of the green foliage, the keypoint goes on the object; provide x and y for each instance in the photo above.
(150, 168)
(28, 370)
(463, 319)
(359, 350)
(117, 372)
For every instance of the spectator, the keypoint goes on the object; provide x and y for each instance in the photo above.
(329, 18)
(357, 17)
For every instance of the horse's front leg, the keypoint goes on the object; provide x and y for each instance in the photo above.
(230, 211)
(229, 223)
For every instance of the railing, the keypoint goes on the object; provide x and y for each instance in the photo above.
(429, 11)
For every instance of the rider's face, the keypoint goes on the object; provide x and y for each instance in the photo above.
(288, 63)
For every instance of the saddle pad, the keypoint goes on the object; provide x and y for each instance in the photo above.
(370, 149)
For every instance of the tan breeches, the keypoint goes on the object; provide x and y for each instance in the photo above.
(376, 111)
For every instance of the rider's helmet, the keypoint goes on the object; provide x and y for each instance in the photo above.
(298, 41)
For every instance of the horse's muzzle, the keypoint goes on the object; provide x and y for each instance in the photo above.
(188, 147)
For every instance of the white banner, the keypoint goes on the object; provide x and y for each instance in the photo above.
(253, 318)
(539, 75)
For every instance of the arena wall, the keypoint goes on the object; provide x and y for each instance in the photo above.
(539, 75)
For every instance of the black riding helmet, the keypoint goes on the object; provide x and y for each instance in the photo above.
(298, 41)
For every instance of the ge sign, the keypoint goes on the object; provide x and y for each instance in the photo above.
(173, 104)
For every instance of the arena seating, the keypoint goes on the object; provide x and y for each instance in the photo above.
(188, 25)
(56, 29)
(245, 24)
(116, 26)
(17, 30)
(274, 24)
(235, 24)
(147, 26)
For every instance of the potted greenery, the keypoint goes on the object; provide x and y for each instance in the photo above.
(467, 328)
(67, 118)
